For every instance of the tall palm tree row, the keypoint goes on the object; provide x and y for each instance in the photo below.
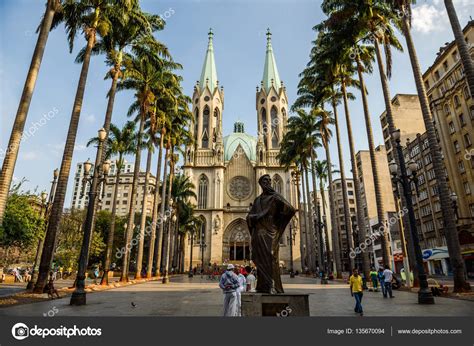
(11, 155)
(92, 17)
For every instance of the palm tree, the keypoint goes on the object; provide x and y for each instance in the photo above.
(466, 59)
(449, 223)
(176, 137)
(92, 17)
(120, 142)
(323, 171)
(11, 155)
(182, 190)
(151, 142)
(305, 125)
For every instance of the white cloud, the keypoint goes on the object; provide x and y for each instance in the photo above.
(428, 18)
(90, 118)
(30, 155)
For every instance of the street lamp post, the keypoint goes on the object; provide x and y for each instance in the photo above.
(45, 204)
(202, 245)
(291, 241)
(424, 294)
(79, 295)
(190, 274)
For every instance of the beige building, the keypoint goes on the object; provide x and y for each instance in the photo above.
(367, 190)
(124, 193)
(339, 212)
(225, 170)
(453, 111)
(407, 117)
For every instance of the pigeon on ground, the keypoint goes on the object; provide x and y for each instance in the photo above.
(134, 305)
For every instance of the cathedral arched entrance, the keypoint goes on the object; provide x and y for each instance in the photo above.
(236, 242)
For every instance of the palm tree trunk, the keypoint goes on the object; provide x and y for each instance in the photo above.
(461, 43)
(319, 237)
(141, 240)
(154, 240)
(306, 223)
(355, 172)
(159, 249)
(57, 208)
(133, 198)
(325, 225)
(347, 216)
(310, 232)
(377, 187)
(11, 153)
(110, 236)
(336, 250)
(391, 129)
(301, 218)
(167, 238)
(450, 231)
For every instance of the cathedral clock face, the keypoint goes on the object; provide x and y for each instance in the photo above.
(239, 188)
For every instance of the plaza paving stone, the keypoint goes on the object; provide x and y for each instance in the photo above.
(201, 297)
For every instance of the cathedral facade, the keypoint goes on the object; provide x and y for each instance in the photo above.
(225, 169)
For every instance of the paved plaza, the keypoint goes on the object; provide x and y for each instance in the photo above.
(201, 297)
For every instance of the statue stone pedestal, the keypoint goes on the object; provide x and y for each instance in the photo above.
(278, 305)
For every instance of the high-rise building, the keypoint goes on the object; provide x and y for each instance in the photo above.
(406, 112)
(80, 201)
(339, 212)
(452, 107)
(225, 169)
(367, 191)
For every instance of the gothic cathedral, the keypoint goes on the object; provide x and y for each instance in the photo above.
(225, 170)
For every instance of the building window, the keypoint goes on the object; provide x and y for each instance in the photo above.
(467, 188)
(445, 65)
(457, 148)
(471, 206)
(202, 193)
(447, 111)
(461, 167)
(436, 75)
(275, 127)
(263, 117)
(200, 236)
(472, 112)
(277, 183)
(461, 120)
(467, 94)
(452, 129)
(205, 127)
(467, 140)
(457, 103)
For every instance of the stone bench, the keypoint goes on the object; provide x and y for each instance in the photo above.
(278, 305)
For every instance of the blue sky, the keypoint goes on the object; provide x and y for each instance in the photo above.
(239, 43)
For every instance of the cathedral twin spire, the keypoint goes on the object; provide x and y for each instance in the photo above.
(270, 78)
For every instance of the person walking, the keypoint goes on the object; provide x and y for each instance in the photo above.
(229, 283)
(381, 278)
(388, 277)
(355, 282)
(374, 278)
(240, 289)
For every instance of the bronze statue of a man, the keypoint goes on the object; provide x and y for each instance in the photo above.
(267, 221)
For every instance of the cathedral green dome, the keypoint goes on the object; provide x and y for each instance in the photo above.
(246, 142)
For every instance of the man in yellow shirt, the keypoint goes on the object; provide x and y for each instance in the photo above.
(355, 282)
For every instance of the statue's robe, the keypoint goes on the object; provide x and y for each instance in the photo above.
(267, 220)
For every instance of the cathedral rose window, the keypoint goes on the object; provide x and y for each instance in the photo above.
(239, 187)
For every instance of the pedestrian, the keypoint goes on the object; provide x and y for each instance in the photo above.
(242, 285)
(374, 278)
(251, 279)
(96, 274)
(381, 278)
(388, 277)
(355, 282)
(229, 283)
